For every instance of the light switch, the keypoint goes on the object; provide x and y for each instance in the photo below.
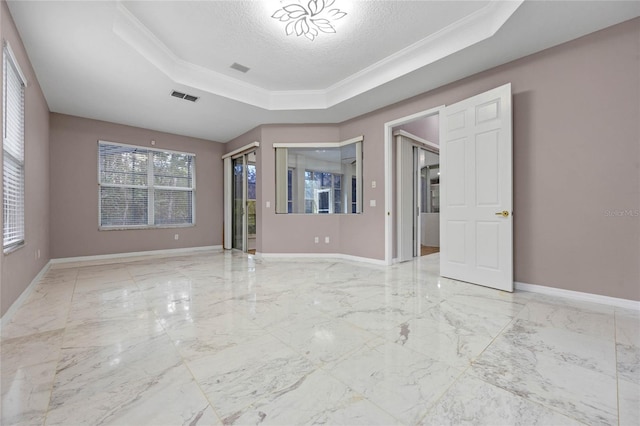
(372, 203)
(268, 204)
(373, 183)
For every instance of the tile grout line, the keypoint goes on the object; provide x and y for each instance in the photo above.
(344, 357)
(64, 333)
(316, 367)
(553, 409)
(468, 367)
(164, 330)
(264, 279)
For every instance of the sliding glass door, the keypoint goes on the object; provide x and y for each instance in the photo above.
(244, 202)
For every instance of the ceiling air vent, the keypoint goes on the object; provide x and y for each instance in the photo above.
(239, 67)
(184, 96)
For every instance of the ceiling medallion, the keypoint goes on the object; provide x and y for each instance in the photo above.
(309, 20)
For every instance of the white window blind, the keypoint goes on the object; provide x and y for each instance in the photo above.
(13, 153)
(141, 187)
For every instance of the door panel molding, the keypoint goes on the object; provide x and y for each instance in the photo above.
(477, 186)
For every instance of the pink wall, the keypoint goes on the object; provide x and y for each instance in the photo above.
(576, 152)
(74, 191)
(576, 163)
(19, 267)
(275, 230)
(576, 173)
(426, 128)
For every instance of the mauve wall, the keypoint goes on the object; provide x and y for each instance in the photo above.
(292, 233)
(576, 109)
(295, 233)
(74, 190)
(22, 265)
(427, 128)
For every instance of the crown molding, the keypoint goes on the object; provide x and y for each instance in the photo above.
(472, 29)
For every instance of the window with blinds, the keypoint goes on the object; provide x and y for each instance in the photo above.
(142, 187)
(13, 152)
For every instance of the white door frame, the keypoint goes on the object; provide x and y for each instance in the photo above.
(228, 190)
(418, 145)
(388, 178)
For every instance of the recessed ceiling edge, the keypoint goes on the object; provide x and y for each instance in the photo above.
(463, 33)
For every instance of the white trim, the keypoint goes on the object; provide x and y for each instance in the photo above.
(246, 147)
(578, 295)
(104, 259)
(429, 146)
(154, 149)
(388, 179)
(6, 318)
(228, 202)
(321, 256)
(318, 144)
(151, 187)
(466, 31)
(228, 189)
(7, 46)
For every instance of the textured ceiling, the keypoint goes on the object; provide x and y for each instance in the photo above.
(119, 61)
(216, 34)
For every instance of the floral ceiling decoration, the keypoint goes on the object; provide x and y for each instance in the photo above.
(309, 19)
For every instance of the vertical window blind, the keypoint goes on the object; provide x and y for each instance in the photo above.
(141, 187)
(13, 153)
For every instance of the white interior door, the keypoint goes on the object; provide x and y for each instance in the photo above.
(476, 225)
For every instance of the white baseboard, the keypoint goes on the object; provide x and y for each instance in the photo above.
(105, 259)
(6, 318)
(321, 256)
(577, 295)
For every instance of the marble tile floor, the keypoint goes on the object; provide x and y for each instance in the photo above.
(217, 338)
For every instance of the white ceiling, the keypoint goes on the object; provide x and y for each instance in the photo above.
(119, 61)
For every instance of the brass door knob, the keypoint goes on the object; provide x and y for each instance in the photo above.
(503, 213)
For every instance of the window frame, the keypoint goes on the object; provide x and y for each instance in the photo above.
(335, 192)
(151, 187)
(9, 61)
(283, 169)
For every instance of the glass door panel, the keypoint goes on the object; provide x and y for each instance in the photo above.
(251, 203)
(244, 202)
(238, 202)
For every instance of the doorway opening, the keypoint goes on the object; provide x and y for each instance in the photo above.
(476, 191)
(413, 223)
(417, 194)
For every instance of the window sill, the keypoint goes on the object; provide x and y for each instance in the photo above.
(13, 248)
(143, 227)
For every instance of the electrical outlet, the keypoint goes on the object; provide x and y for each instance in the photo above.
(175, 237)
(372, 203)
(373, 183)
(326, 240)
(317, 240)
